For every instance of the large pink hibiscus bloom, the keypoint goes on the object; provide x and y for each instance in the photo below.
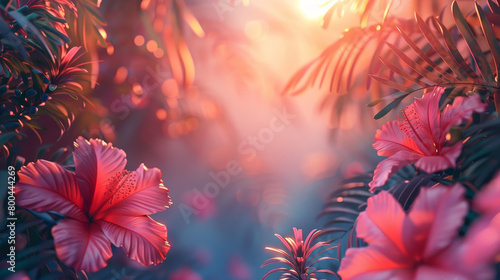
(102, 204)
(420, 135)
(422, 244)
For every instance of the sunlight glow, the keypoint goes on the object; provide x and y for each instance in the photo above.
(316, 8)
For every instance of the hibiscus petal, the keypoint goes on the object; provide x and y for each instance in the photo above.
(447, 158)
(95, 163)
(391, 139)
(81, 245)
(482, 242)
(454, 258)
(386, 168)
(436, 215)
(46, 186)
(145, 196)
(488, 198)
(461, 110)
(372, 263)
(142, 238)
(382, 224)
(427, 272)
(426, 110)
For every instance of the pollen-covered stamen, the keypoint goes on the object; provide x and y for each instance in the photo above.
(410, 124)
(120, 186)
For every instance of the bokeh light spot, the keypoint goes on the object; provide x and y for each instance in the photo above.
(139, 40)
(151, 46)
(121, 75)
(170, 88)
(316, 8)
(158, 53)
(161, 114)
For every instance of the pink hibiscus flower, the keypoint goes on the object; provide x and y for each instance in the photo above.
(103, 204)
(419, 137)
(487, 199)
(483, 239)
(422, 244)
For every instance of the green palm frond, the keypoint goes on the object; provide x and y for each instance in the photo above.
(480, 157)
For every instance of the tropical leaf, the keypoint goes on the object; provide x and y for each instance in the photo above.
(167, 29)
(342, 210)
(439, 61)
(300, 258)
(480, 157)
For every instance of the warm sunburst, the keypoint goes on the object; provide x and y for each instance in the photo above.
(316, 8)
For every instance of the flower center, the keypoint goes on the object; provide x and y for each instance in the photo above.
(119, 187)
(412, 126)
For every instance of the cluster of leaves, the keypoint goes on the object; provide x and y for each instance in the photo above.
(40, 64)
(461, 54)
(43, 70)
(168, 20)
(35, 252)
(405, 56)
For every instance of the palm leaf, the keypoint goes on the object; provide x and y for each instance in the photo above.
(459, 71)
(342, 210)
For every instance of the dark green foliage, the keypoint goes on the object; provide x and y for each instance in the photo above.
(38, 66)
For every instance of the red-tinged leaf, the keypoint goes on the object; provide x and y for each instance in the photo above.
(403, 74)
(276, 260)
(324, 64)
(187, 61)
(367, 7)
(438, 47)
(415, 66)
(282, 270)
(494, 7)
(191, 20)
(280, 251)
(372, 69)
(295, 80)
(335, 70)
(387, 9)
(341, 72)
(318, 254)
(473, 45)
(173, 55)
(392, 84)
(452, 48)
(354, 62)
(425, 57)
(490, 37)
